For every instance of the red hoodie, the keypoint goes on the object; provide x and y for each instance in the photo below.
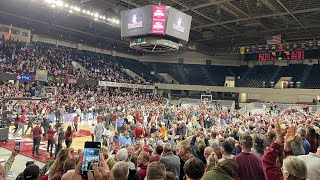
(269, 161)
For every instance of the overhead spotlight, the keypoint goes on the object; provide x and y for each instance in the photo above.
(77, 9)
(117, 21)
(101, 17)
(48, 1)
(70, 11)
(53, 5)
(96, 15)
(84, 11)
(71, 7)
(104, 18)
(66, 5)
(92, 14)
(108, 19)
(88, 12)
(96, 19)
(59, 3)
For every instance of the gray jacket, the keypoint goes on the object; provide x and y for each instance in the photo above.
(172, 163)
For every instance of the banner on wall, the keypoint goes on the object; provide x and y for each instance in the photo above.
(41, 75)
(125, 85)
(24, 77)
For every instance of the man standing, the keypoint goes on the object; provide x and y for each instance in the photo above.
(126, 140)
(249, 165)
(75, 122)
(51, 133)
(30, 124)
(171, 161)
(98, 130)
(37, 132)
(45, 125)
(21, 125)
(312, 161)
(59, 139)
(139, 131)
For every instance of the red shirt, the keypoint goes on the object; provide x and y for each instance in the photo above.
(249, 166)
(139, 131)
(23, 119)
(37, 131)
(142, 172)
(51, 133)
(114, 117)
(76, 120)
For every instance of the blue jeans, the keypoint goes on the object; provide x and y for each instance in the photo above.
(20, 126)
(98, 137)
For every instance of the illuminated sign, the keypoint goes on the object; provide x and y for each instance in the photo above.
(287, 55)
(158, 19)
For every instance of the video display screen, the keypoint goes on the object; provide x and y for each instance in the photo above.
(178, 24)
(155, 20)
(136, 22)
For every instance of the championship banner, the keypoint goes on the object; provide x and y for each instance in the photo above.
(24, 77)
(41, 75)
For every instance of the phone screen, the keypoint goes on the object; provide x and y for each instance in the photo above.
(91, 156)
(17, 146)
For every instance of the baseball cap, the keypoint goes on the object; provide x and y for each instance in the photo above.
(227, 146)
(31, 172)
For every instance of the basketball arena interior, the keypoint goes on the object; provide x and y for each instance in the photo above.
(160, 89)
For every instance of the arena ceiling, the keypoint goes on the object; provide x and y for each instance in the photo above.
(215, 23)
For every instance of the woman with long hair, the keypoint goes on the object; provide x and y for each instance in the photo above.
(57, 166)
(68, 136)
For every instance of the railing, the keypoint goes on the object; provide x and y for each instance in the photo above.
(225, 104)
(255, 106)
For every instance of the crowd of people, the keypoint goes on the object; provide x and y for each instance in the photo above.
(143, 138)
(142, 135)
(22, 58)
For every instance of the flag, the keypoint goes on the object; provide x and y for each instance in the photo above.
(275, 40)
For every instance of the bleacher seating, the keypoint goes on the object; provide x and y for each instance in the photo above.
(257, 75)
(194, 74)
(139, 68)
(294, 70)
(313, 81)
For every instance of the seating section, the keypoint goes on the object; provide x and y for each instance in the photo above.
(294, 70)
(137, 67)
(17, 57)
(257, 75)
(194, 74)
(313, 80)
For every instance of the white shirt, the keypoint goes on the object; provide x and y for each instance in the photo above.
(313, 165)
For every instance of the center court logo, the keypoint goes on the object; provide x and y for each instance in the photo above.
(178, 26)
(134, 23)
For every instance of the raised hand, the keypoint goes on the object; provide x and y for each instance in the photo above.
(291, 133)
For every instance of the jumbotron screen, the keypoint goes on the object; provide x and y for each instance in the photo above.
(155, 20)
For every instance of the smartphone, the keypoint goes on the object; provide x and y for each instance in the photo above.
(91, 156)
(17, 146)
